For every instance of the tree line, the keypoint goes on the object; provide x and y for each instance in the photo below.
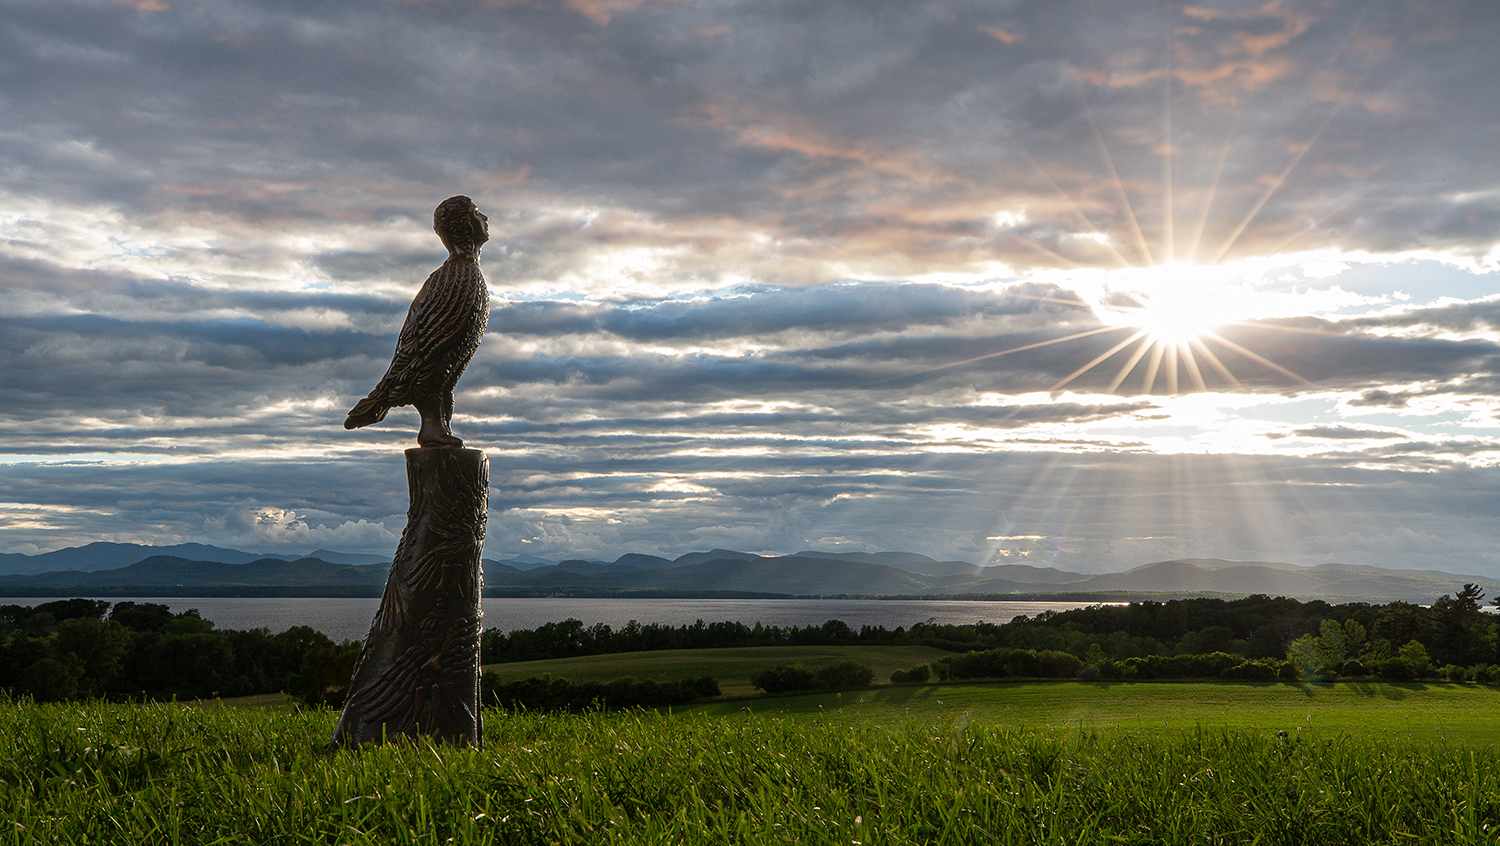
(84, 648)
(1397, 639)
(81, 648)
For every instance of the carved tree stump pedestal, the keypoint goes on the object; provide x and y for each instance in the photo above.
(418, 673)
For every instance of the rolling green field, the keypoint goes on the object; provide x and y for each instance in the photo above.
(1454, 714)
(916, 774)
(732, 667)
(1424, 711)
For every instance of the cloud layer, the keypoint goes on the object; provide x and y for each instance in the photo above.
(769, 276)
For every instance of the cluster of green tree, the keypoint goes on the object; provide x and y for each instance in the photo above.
(553, 694)
(1322, 657)
(571, 638)
(1005, 662)
(787, 678)
(1454, 630)
(82, 648)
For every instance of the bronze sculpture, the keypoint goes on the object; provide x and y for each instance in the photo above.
(442, 330)
(418, 671)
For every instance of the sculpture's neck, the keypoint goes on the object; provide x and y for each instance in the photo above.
(464, 253)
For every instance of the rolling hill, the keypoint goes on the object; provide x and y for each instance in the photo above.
(717, 572)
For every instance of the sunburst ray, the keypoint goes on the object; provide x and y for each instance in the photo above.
(1190, 363)
(1213, 188)
(1214, 362)
(1257, 358)
(1141, 333)
(988, 356)
(1135, 358)
(1158, 350)
(1168, 213)
(1073, 206)
(1109, 164)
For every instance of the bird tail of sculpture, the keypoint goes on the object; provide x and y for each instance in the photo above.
(371, 409)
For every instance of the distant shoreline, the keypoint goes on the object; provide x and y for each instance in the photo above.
(372, 592)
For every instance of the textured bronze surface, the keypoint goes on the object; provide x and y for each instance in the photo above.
(442, 330)
(418, 673)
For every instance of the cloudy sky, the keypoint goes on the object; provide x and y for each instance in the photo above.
(1077, 284)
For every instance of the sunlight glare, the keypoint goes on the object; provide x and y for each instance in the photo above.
(1173, 304)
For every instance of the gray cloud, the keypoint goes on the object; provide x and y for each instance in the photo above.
(1346, 433)
(856, 122)
(760, 271)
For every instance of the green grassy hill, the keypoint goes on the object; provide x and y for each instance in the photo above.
(1423, 711)
(977, 764)
(1427, 712)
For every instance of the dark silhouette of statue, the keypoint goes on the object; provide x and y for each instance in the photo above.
(442, 330)
(418, 671)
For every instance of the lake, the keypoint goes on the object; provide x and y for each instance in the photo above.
(349, 618)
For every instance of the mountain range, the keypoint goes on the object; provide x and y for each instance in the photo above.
(201, 570)
(103, 555)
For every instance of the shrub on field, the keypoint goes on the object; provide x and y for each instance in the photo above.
(1012, 663)
(1353, 668)
(1397, 669)
(1455, 673)
(1263, 669)
(1416, 654)
(1089, 673)
(52, 680)
(1484, 673)
(784, 678)
(846, 676)
(916, 675)
(325, 671)
(1211, 665)
(553, 694)
(789, 678)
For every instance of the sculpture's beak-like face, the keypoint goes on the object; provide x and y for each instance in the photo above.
(481, 225)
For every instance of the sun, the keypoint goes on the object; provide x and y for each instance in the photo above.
(1166, 322)
(1172, 314)
(1174, 304)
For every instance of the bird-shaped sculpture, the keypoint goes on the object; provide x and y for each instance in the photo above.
(442, 330)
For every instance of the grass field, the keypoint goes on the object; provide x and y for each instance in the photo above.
(1423, 711)
(732, 667)
(100, 773)
(1455, 714)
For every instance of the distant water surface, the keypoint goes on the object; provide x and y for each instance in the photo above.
(349, 618)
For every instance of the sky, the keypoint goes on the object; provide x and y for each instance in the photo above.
(1074, 284)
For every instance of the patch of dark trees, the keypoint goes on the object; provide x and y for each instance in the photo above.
(791, 678)
(571, 638)
(84, 648)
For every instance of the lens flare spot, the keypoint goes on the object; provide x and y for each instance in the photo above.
(1173, 304)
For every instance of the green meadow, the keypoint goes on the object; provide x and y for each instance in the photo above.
(1064, 762)
(1428, 711)
(1419, 711)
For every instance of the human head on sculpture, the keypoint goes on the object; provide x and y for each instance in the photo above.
(460, 224)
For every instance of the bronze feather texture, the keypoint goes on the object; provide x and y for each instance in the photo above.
(443, 328)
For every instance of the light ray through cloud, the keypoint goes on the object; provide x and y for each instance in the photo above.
(1134, 281)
